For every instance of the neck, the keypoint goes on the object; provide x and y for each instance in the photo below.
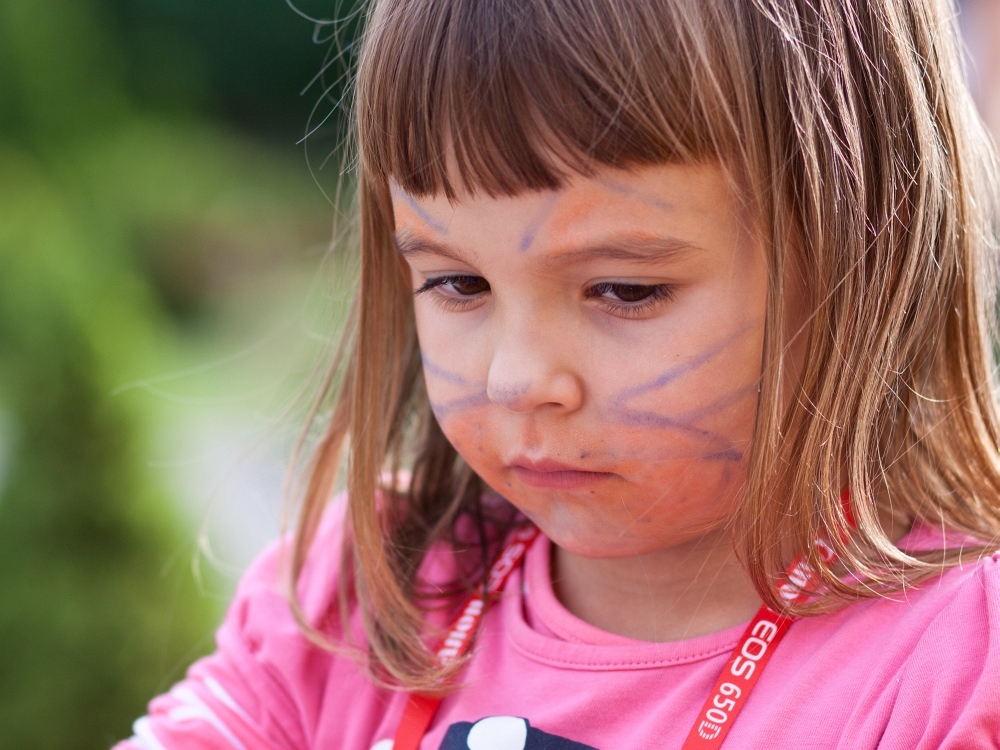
(669, 595)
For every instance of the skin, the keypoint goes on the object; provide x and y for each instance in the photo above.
(594, 354)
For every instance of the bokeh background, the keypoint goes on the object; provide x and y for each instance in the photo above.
(169, 286)
(166, 289)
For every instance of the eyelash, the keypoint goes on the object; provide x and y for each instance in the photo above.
(657, 293)
(451, 303)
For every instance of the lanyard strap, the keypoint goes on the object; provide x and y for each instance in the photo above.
(751, 655)
(746, 662)
(757, 645)
(420, 709)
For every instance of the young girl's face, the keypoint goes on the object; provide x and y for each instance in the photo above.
(594, 353)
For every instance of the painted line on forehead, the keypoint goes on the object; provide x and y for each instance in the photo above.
(684, 368)
(531, 231)
(441, 373)
(419, 210)
(630, 192)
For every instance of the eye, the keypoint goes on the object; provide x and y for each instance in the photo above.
(456, 292)
(624, 292)
(465, 286)
(629, 300)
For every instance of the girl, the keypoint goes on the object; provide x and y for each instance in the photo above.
(703, 291)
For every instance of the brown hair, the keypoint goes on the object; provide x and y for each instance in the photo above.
(853, 138)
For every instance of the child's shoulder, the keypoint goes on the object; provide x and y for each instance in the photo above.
(262, 606)
(964, 597)
(972, 585)
(917, 668)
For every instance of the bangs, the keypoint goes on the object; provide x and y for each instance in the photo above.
(508, 96)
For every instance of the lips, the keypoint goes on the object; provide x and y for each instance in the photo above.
(549, 474)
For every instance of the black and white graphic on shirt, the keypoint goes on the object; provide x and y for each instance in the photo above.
(504, 733)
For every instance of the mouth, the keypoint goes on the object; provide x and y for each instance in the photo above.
(547, 474)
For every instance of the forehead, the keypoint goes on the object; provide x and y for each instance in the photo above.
(649, 201)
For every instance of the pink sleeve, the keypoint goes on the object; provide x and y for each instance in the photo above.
(948, 695)
(261, 687)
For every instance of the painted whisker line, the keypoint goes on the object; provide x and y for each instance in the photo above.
(440, 372)
(507, 396)
(729, 455)
(689, 418)
(726, 454)
(635, 418)
(447, 409)
(686, 367)
(528, 238)
(687, 422)
(425, 217)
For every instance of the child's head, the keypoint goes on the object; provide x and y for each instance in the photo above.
(728, 255)
(593, 353)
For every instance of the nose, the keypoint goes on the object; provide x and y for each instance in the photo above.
(533, 367)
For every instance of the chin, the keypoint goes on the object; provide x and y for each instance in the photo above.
(592, 537)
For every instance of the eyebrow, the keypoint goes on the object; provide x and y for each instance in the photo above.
(408, 243)
(630, 248)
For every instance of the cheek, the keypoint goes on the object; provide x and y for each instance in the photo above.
(456, 391)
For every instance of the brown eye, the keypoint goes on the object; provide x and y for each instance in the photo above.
(631, 292)
(469, 285)
(624, 292)
(629, 300)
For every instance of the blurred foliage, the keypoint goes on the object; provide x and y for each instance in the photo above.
(250, 60)
(127, 200)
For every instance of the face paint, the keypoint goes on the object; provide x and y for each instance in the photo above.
(528, 237)
(445, 409)
(605, 382)
(401, 196)
(718, 446)
(631, 192)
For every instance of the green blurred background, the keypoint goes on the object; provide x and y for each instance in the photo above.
(165, 291)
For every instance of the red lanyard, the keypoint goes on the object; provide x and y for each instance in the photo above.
(731, 690)
(750, 656)
(420, 709)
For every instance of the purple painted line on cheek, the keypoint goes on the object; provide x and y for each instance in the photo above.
(718, 445)
(690, 418)
(444, 409)
(685, 367)
(507, 396)
(441, 373)
(729, 455)
(419, 210)
(456, 406)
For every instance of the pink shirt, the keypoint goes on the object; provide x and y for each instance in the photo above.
(921, 670)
